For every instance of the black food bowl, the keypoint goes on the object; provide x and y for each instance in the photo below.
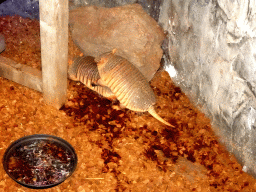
(39, 161)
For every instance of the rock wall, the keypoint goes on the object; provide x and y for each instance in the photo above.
(211, 47)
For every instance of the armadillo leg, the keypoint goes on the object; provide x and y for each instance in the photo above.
(152, 111)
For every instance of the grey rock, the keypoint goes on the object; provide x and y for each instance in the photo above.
(211, 46)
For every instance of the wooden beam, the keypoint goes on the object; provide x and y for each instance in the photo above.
(54, 50)
(21, 74)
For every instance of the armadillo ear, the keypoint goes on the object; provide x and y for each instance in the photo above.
(114, 51)
(101, 61)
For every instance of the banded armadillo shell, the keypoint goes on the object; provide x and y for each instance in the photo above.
(85, 69)
(126, 82)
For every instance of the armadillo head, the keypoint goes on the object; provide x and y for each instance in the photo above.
(72, 71)
(73, 68)
(103, 58)
(106, 62)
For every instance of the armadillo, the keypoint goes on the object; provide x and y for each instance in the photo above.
(85, 69)
(127, 83)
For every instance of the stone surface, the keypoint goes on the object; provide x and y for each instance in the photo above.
(129, 29)
(212, 47)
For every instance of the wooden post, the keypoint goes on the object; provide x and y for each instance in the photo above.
(54, 50)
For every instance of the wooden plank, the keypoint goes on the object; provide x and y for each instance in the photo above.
(21, 74)
(54, 50)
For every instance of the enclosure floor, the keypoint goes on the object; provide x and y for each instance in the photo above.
(117, 149)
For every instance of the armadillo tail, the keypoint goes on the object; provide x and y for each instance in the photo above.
(152, 111)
